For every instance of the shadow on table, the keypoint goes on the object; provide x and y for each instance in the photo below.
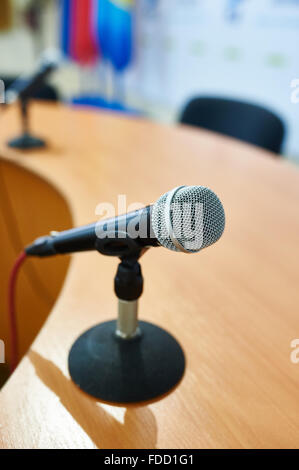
(138, 431)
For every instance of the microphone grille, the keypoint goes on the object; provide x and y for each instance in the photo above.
(188, 219)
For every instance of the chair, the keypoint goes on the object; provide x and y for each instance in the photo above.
(244, 121)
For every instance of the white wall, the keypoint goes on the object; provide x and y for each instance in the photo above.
(241, 48)
(247, 49)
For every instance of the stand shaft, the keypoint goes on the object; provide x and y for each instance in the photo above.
(127, 321)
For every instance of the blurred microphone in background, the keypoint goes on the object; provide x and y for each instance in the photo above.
(26, 85)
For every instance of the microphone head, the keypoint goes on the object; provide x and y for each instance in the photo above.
(188, 219)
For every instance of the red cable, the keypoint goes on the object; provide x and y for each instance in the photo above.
(12, 310)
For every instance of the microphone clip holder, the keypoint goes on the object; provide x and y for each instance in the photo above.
(125, 361)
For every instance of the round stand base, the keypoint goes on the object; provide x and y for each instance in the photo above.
(26, 142)
(126, 371)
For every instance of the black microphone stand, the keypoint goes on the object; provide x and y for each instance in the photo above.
(126, 361)
(26, 141)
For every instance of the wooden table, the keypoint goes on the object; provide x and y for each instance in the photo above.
(233, 307)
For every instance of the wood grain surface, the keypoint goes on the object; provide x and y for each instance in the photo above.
(233, 307)
(23, 214)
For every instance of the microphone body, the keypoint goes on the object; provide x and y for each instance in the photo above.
(24, 87)
(114, 232)
(186, 219)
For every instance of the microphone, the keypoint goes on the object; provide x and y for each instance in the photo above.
(127, 361)
(24, 87)
(185, 219)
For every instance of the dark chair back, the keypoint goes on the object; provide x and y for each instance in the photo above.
(244, 121)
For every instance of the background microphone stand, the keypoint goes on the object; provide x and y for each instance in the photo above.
(26, 141)
(124, 360)
(24, 90)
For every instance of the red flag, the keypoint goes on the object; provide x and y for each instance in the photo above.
(83, 46)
